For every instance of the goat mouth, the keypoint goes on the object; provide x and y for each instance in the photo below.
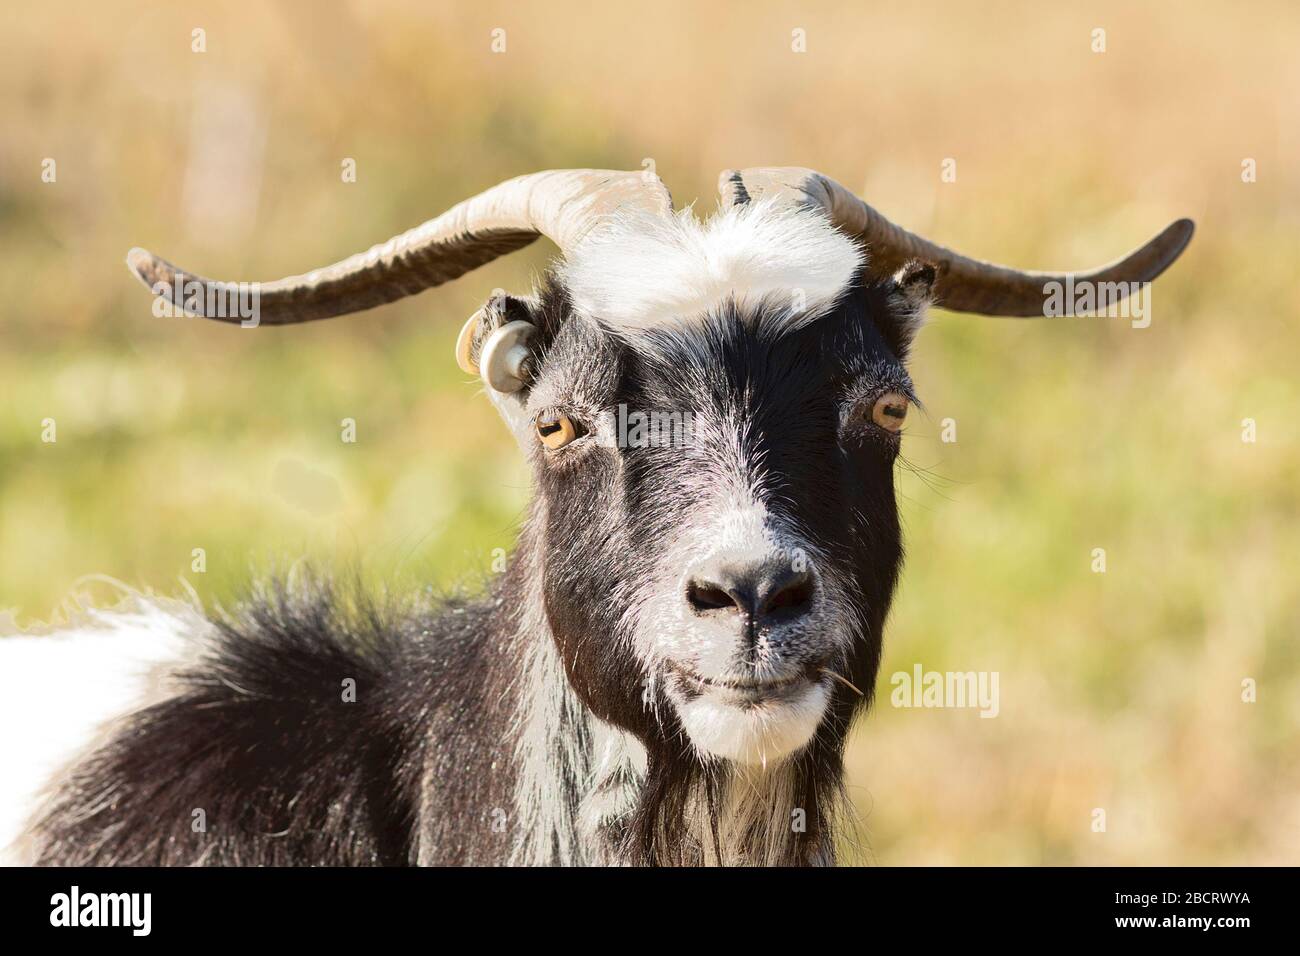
(746, 690)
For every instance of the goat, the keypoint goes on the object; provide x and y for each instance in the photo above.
(667, 670)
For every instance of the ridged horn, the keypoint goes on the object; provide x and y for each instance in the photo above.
(563, 205)
(963, 284)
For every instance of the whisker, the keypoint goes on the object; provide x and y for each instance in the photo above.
(843, 680)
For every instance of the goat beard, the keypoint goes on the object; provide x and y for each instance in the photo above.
(695, 811)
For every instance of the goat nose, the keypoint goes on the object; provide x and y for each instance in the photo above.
(765, 591)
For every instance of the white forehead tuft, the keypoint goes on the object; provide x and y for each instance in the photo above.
(642, 271)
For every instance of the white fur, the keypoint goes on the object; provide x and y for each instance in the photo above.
(554, 758)
(756, 734)
(61, 688)
(643, 271)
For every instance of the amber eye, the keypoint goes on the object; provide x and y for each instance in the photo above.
(889, 411)
(556, 431)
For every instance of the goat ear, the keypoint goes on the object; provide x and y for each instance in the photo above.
(499, 311)
(515, 314)
(910, 294)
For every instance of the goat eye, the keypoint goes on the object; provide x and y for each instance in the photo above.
(557, 431)
(889, 411)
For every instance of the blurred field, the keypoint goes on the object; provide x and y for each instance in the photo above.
(1118, 690)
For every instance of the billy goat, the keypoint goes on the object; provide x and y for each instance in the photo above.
(693, 617)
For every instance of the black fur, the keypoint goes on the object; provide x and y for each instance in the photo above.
(259, 738)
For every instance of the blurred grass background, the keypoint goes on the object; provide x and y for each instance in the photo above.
(1119, 691)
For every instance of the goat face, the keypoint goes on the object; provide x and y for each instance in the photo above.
(716, 514)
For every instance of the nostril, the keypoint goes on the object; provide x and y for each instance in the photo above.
(793, 595)
(756, 592)
(709, 597)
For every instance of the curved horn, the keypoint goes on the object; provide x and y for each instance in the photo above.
(963, 284)
(563, 205)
